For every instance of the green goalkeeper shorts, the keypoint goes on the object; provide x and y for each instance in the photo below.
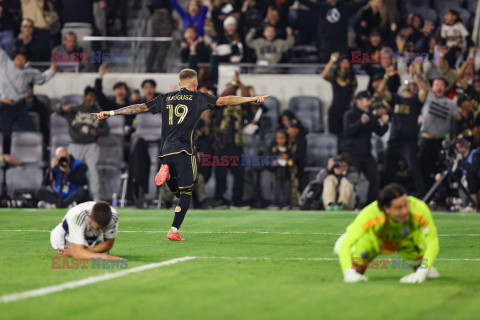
(369, 246)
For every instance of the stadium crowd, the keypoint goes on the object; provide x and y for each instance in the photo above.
(424, 89)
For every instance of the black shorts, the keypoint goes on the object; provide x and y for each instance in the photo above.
(183, 168)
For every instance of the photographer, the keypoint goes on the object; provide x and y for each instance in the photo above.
(339, 184)
(67, 179)
(469, 164)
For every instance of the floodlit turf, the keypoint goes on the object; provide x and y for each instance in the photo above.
(208, 288)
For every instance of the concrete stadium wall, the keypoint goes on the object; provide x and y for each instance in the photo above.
(283, 87)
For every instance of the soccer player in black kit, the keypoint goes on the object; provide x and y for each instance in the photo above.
(180, 111)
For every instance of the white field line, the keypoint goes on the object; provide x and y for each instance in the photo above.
(108, 276)
(83, 282)
(249, 232)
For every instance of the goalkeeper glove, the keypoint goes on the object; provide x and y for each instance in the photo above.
(416, 277)
(351, 276)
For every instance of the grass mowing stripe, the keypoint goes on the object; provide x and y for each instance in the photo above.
(80, 283)
(246, 232)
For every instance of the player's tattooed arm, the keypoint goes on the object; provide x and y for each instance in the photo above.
(133, 109)
(234, 100)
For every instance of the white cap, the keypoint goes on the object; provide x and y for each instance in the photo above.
(229, 20)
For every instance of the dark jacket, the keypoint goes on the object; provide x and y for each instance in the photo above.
(38, 49)
(334, 20)
(81, 122)
(357, 135)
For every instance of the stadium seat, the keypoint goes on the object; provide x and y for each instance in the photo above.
(304, 54)
(36, 121)
(309, 108)
(116, 125)
(426, 13)
(71, 100)
(252, 144)
(148, 123)
(28, 147)
(111, 151)
(472, 6)
(110, 165)
(23, 177)
(58, 141)
(441, 5)
(58, 125)
(268, 121)
(320, 147)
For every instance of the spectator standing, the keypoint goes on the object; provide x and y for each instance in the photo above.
(84, 130)
(297, 150)
(405, 128)
(280, 167)
(465, 120)
(358, 125)
(120, 100)
(455, 36)
(33, 104)
(372, 17)
(333, 17)
(162, 26)
(148, 89)
(344, 84)
(438, 114)
(269, 49)
(230, 46)
(42, 13)
(192, 44)
(229, 141)
(194, 16)
(6, 27)
(15, 81)
(34, 41)
(223, 9)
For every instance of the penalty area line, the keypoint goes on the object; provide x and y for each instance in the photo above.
(83, 282)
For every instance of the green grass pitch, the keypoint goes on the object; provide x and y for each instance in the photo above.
(288, 284)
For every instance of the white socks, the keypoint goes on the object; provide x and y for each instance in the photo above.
(175, 230)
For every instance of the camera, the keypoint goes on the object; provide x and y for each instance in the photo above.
(337, 162)
(63, 162)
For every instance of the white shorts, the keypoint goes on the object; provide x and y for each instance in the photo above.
(57, 237)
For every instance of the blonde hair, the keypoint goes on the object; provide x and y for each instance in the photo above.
(186, 76)
(382, 11)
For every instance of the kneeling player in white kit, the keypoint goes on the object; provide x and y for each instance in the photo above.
(87, 231)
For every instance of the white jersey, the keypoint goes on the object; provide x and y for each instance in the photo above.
(79, 230)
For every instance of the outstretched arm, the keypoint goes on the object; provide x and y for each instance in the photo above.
(133, 109)
(234, 100)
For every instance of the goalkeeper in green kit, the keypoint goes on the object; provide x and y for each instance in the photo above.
(395, 223)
